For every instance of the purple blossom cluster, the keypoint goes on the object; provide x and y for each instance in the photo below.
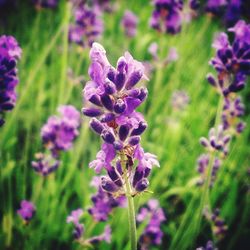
(129, 23)
(48, 4)
(27, 210)
(209, 246)
(179, 100)
(202, 168)
(218, 140)
(88, 25)
(103, 202)
(104, 5)
(167, 16)
(79, 230)
(58, 135)
(172, 55)
(230, 10)
(233, 110)
(219, 225)
(154, 215)
(232, 62)
(10, 53)
(111, 98)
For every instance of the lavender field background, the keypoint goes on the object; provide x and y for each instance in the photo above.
(53, 71)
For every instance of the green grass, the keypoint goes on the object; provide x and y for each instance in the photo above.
(44, 85)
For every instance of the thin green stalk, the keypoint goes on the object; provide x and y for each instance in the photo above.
(65, 51)
(131, 209)
(205, 197)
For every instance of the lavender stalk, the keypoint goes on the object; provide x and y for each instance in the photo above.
(111, 98)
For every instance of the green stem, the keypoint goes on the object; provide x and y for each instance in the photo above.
(131, 208)
(205, 197)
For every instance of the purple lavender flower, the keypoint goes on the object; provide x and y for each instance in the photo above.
(166, 16)
(194, 4)
(202, 167)
(103, 202)
(217, 140)
(27, 210)
(219, 225)
(58, 135)
(209, 246)
(233, 110)
(88, 25)
(179, 100)
(59, 132)
(152, 235)
(216, 7)
(104, 5)
(231, 62)
(172, 55)
(10, 52)
(74, 217)
(45, 164)
(233, 12)
(105, 236)
(113, 97)
(9, 47)
(129, 23)
(50, 4)
(79, 230)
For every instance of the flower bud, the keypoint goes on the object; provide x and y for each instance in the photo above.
(108, 185)
(91, 112)
(142, 185)
(96, 125)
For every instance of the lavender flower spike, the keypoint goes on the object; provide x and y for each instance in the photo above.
(166, 17)
(88, 25)
(152, 234)
(27, 210)
(74, 217)
(10, 52)
(129, 23)
(111, 98)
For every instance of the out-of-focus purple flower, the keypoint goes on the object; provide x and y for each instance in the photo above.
(45, 164)
(104, 202)
(129, 23)
(79, 230)
(59, 132)
(27, 210)
(172, 55)
(179, 100)
(104, 5)
(105, 236)
(166, 16)
(216, 7)
(217, 140)
(50, 4)
(233, 12)
(219, 225)
(152, 234)
(58, 135)
(9, 47)
(74, 218)
(153, 50)
(233, 110)
(88, 25)
(209, 246)
(232, 62)
(10, 52)
(202, 168)
(194, 4)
